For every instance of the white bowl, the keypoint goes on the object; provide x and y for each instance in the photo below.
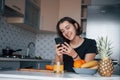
(85, 71)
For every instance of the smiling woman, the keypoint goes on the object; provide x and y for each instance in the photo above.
(75, 47)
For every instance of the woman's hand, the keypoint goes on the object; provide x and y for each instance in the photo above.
(59, 49)
(67, 49)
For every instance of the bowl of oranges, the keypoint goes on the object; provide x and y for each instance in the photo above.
(83, 67)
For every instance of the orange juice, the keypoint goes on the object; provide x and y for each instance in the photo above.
(58, 68)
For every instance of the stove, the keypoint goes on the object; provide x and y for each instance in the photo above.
(13, 56)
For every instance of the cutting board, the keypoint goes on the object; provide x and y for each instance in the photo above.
(34, 70)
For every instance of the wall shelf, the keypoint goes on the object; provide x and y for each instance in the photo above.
(84, 4)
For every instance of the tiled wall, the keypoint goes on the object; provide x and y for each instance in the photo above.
(45, 45)
(18, 38)
(14, 37)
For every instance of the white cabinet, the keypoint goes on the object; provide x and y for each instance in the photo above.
(49, 15)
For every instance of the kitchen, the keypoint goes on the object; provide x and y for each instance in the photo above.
(18, 38)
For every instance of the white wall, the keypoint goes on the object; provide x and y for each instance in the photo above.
(101, 28)
(105, 21)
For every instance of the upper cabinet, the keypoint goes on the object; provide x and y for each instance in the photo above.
(43, 15)
(84, 4)
(1, 6)
(70, 8)
(77, 9)
(49, 15)
(53, 10)
(15, 5)
(31, 15)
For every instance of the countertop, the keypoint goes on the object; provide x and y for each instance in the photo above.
(25, 75)
(19, 59)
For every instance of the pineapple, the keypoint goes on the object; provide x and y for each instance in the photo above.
(105, 50)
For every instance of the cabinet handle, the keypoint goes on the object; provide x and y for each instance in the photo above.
(16, 7)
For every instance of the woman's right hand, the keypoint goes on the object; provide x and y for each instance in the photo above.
(59, 49)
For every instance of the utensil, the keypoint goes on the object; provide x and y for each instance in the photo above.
(9, 52)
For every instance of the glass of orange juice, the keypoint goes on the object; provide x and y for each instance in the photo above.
(58, 67)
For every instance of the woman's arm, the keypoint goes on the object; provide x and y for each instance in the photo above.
(90, 56)
(58, 58)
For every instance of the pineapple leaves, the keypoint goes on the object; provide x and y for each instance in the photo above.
(104, 47)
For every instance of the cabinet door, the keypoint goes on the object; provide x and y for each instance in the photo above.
(42, 64)
(32, 13)
(1, 6)
(17, 5)
(28, 64)
(71, 8)
(9, 65)
(49, 15)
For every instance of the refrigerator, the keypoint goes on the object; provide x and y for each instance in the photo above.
(104, 20)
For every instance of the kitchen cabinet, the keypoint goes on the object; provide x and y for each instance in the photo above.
(22, 13)
(34, 64)
(84, 4)
(71, 8)
(77, 11)
(32, 13)
(28, 64)
(9, 65)
(53, 10)
(49, 15)
(17, 5)
(1, 6)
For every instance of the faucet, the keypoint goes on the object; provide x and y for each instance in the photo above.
(28, 48)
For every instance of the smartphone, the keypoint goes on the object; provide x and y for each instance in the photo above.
(59, 40)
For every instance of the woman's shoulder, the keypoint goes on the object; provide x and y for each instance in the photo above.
(88, 40)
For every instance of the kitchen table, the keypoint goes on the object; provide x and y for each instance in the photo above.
(25, 75)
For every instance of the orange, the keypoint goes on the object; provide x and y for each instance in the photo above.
(83, 61)
(49, 67)
(78, 63)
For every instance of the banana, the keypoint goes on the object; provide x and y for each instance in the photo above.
(94, 67)
(90, 64)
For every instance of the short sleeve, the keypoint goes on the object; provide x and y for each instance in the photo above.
(92, 48)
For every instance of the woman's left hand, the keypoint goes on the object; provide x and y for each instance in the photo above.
(67, 49)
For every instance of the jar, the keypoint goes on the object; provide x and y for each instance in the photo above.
(58, 67)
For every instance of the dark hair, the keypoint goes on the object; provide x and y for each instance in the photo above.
(70, 20)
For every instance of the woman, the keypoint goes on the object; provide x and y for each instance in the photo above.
(74, 47)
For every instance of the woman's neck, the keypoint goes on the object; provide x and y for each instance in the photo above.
(77, 41)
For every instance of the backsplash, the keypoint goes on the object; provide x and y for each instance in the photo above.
(18, 38)
(14, 37)
(45, 45)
